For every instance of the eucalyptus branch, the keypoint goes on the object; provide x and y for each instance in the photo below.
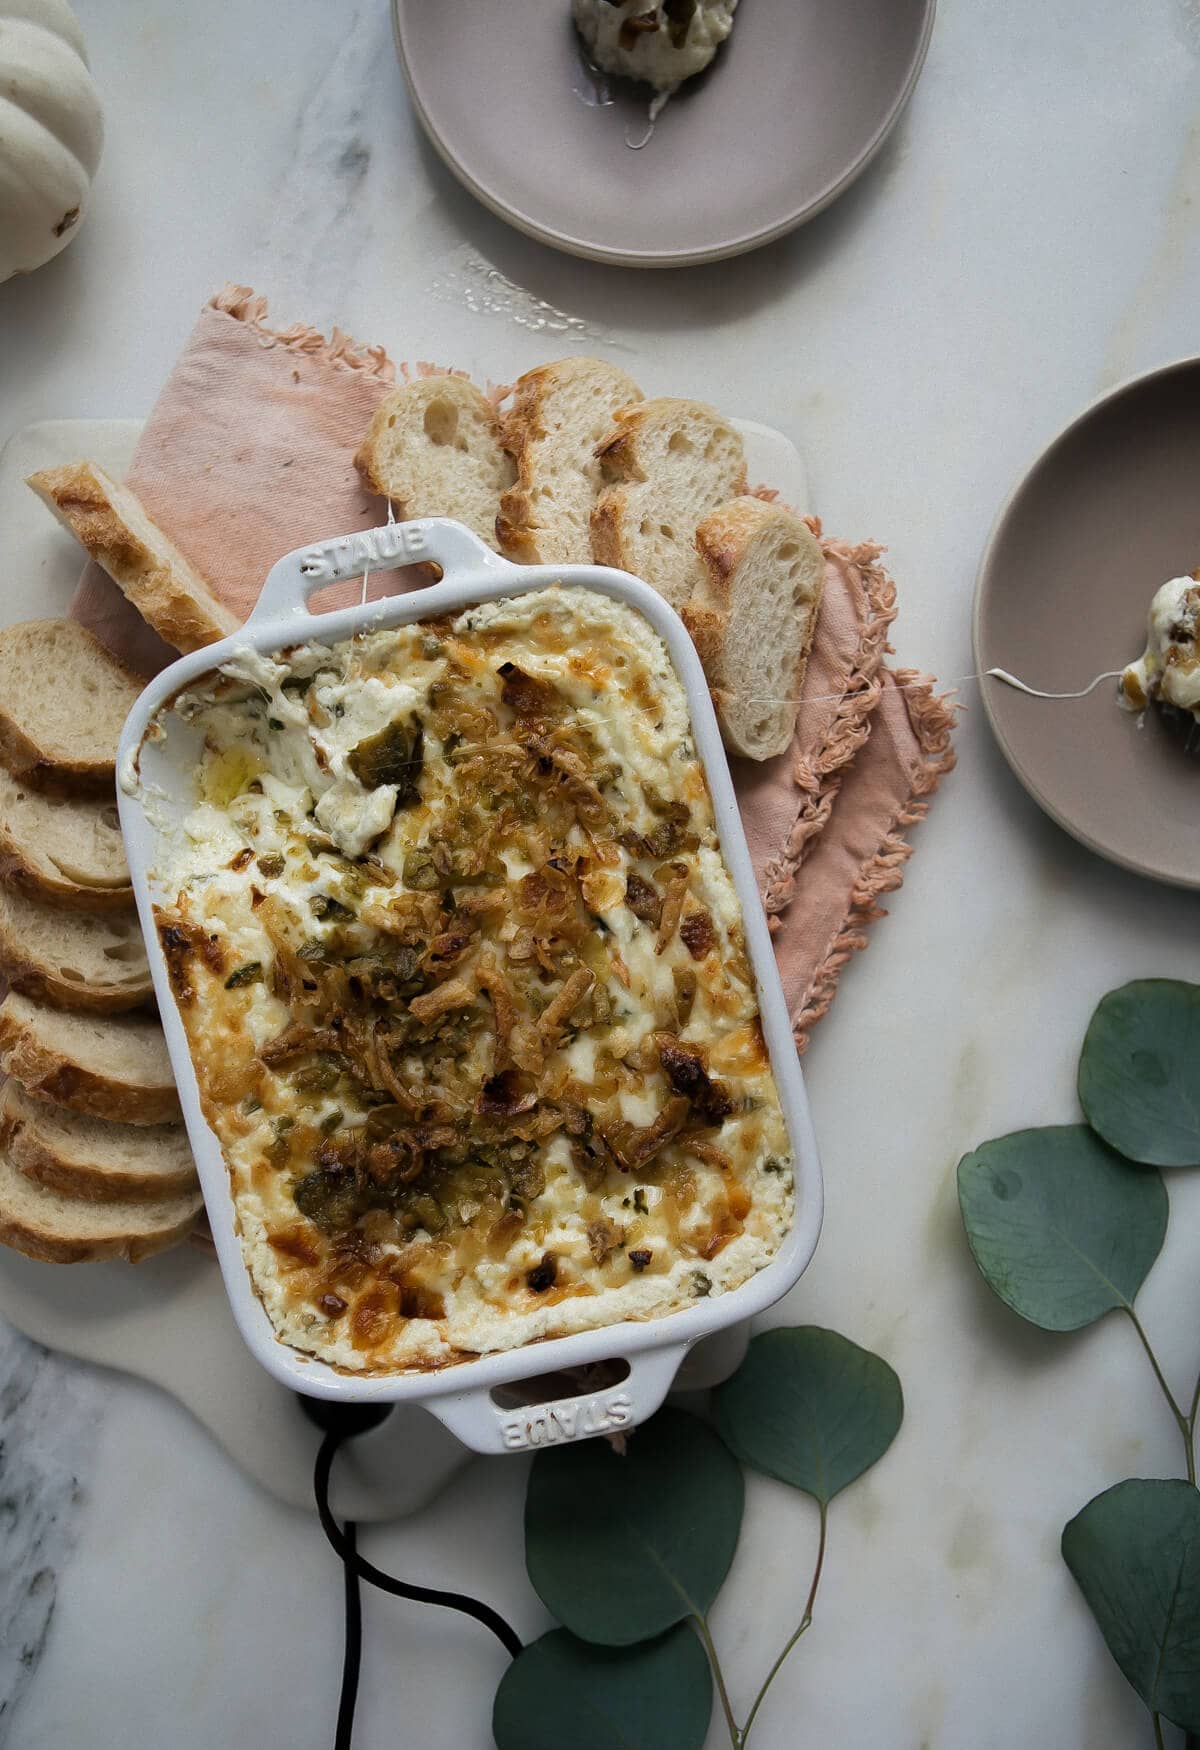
(1065, 1223)
(739, 1734)
(805, 1622)
(1195, 1405)
(1185, 1424)
(806, 1407)
(702, 1629)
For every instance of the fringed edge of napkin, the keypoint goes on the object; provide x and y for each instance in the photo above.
(818, 775)
(340, 350)
(932, 716)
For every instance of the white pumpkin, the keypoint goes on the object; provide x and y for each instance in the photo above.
(51, 131)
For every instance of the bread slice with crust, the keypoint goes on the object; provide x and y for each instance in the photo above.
(93, 1158)
(560, 413)
(111, 1066)
(434, 448)
(73, 959)
(45, 1224)
(63, 848)
(672, 463)
(64, 699)
(753, 619)
(111, 525)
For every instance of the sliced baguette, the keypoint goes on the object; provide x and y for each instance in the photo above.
(73, 959)
(114, 1067)
(63, 702)
(91, 1157)
(434, 449)
(67, 849)
(560, 413)
(753, 619)
(69, 1230)
(111, 524)
(673, 463)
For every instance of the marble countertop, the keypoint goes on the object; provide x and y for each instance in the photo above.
(1030, 235)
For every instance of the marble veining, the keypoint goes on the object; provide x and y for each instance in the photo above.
(317, 216)
(50, 1411)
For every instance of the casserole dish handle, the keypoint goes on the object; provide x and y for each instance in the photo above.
(426, 541)
(486, 1426)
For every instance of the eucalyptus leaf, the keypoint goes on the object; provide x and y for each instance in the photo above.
(561, 1691)
(1139, 1073)
(811, 1408)
(1062, 1229)
(619, 1547)
(1135, 1554)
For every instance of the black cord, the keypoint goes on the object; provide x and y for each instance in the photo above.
(358, 1568)
(352, 1655)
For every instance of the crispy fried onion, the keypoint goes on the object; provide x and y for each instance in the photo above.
(297, 1041)
(604, 1237)
(672, 906)
(185, 944)
(487, 976)
(454, 994)
(634, 1146)
(560, 1008)
(506, 1095)
(552, 744)
(643, 898)
(685, 1068)
(398, 1157)
(698, 933)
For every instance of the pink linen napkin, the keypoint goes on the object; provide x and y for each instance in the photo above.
(248, 453)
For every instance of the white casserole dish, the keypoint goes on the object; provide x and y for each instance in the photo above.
(164, 768)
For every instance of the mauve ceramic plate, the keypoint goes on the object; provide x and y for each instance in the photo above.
(1107, 514)
(796, 104)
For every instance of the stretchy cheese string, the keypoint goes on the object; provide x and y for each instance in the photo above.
(999, 674)
(1010, 680)
(362, 599)
(920, 685)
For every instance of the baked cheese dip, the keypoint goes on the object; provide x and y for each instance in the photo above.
(463, 976)
(1169, 670)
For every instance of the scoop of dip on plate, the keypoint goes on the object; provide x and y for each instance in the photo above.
(662, 45)
(1168, 672)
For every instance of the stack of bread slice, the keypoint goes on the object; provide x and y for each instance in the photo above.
(583, 469)
(94, 1161)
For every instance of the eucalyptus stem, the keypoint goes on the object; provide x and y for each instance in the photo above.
(1195, 1405)
(1185, 1424)
(1158, 1731)
(805, 1622)
(739, 1734)
(702, 1629)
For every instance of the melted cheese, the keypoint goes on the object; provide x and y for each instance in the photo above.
(1169, 669)
(428, 1159)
